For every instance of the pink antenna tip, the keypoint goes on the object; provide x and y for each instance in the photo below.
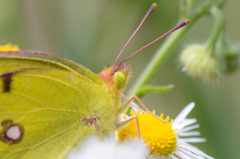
(180, 25)
(149, 12)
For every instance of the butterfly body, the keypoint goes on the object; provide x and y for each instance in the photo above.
(55, 102)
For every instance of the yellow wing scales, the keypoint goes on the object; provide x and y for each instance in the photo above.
(18, 60)
(50, 103)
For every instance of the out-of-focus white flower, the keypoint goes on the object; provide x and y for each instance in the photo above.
(95, 148)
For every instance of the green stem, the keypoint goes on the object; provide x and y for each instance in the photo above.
(185, 8)
(216, 30)
(164, 51)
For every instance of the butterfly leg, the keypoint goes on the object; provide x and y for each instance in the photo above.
(123, 123)
(141, 103)
(123, 108)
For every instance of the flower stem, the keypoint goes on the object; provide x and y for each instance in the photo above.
(216, 30)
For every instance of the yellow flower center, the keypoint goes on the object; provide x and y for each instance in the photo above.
(158, 135)
(9, 47)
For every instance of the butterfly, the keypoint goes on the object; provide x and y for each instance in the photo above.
(49, 103)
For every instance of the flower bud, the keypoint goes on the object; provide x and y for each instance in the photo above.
(231, 56)
(198, 61)
(229, 52)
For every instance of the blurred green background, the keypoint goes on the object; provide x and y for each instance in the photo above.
(93, 32)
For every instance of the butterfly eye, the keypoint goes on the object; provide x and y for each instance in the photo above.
(120, 79)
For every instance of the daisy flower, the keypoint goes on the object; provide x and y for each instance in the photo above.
(167, 139)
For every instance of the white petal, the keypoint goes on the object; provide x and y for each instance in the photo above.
(190, 128)
(172, 157)
(194, 140)
(184, 123)
(193, 149)
(190, 133)
(183, 155)
(182, 115)
(189, 153)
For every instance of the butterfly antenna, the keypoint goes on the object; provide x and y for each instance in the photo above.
(149, 12)
(173, 29)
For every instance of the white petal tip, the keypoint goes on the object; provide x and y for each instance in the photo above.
(191, 105)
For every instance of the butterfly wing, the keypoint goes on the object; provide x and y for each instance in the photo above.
(49, 97)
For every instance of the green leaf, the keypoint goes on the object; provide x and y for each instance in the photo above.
(151, 88)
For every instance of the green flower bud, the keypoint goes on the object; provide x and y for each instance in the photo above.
(231, 56)
(229, 52)
(198, 61)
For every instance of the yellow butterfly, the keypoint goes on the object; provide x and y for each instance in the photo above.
(49, 103)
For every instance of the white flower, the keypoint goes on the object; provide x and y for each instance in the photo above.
(94, 148)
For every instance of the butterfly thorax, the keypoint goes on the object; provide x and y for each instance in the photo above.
(116, 78)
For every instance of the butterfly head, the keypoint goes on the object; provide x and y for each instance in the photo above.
(116, 76)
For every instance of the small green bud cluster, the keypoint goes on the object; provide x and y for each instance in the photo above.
(211, 60)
